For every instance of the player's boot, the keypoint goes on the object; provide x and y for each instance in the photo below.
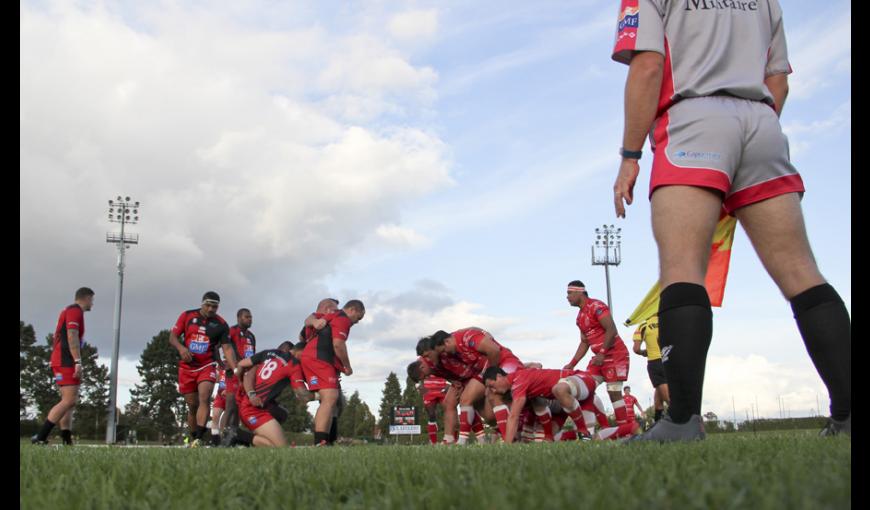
(834, 427)
(229, 437)
(666, 431)
(34, 439)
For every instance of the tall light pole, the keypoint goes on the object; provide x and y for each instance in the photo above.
(125, 212)
(609, 239)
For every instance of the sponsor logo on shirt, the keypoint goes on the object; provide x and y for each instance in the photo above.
(628, 18)
(706, 5)
(698, 156)
(199, 347)
(313, 381)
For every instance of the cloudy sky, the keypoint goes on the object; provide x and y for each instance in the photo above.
(445, 162)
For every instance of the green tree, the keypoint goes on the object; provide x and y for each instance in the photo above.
(298, 417)
(392, 396)
(412, 397)
(90, 414)
(27, 337)
(36, 380)
(356, 420)
(155, 400)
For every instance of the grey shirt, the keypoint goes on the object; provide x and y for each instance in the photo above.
(710, 46)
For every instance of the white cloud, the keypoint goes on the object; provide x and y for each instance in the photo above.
(414, 25)
(550, 44)
(819, 51)
(401, 236)
(252, 183)
(128, 376)
(365, 64)
(802, 135)
(751, 376)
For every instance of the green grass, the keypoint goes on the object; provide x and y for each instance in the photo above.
(764, 470)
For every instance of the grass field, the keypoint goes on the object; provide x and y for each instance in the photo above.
(742, 470)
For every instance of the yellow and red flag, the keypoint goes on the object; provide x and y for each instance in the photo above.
(717, 272)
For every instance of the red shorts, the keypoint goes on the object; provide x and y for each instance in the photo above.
(63, 376)
(319, 374)
(252, 416)
(189, 379)
(614, 368)
(220, 401)
(434, 397)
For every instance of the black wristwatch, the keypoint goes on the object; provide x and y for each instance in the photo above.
(630, 154)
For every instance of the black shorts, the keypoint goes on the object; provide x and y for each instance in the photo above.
(656, 371)
(278, 412)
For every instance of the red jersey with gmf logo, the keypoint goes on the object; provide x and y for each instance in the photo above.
(201, 336)
(244, 342)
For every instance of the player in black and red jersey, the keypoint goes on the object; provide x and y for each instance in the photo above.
(202, 330)
(264, 376)
(324, 357)
(66, 365)
(244, 344)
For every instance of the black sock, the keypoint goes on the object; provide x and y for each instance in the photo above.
(658, 414)
(233, 418)
(67, 436)
(333, 431)
(200, 432)
(825, 326)
(685, 331)
(215, 439)
(320, 437)
(45, 431)
(244, 437)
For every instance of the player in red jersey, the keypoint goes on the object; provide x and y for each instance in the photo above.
(477, 350)
(598, 332)
(466, 371)
(630, 404)
(66, 365)
(427, 364)
(315, 320)
(202, 330)
(569, 387)
(264, 376)
(244, 345)
(631, 427)
(627, 429)
(324, 307)
(434, 390)
(217, 408)
(440, 391)
(476, 347)
(324, 357)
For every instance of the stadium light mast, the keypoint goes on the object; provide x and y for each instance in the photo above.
(123, 211)
(609, 239)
